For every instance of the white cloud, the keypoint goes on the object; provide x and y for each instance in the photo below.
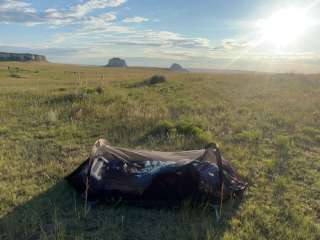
(234, 44)
(99, 22)
(15, 6)
(172, 39)
(136, 19)
(81, 10)
(13, 11)
(112, 33)
(171, 54)
(16, 11)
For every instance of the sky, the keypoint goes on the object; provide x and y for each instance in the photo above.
(258, 35)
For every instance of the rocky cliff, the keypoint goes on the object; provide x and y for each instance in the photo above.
(21, 57)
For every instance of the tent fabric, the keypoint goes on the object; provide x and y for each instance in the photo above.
(114, 172)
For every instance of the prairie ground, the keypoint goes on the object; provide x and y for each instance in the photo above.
(268, 126)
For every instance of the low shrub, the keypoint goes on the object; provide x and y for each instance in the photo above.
(169, 131)
(156, 79)
(14, 72)
(99, 90)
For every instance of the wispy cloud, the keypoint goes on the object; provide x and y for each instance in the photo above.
(93, 30)
(235, 44)
(80, 10)
(136, 19)
(16, 11)
(11, 6)
(113, 34)
(98, 22)
(13, 11)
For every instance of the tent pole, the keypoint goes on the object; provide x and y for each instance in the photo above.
(86, 196)
(220, 165)
(221, 198)
(87, 185)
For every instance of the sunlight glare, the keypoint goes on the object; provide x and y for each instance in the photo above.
(284, 27)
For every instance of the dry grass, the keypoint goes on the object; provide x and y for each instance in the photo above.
(267, 125)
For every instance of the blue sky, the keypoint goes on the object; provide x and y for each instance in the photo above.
(224, 34)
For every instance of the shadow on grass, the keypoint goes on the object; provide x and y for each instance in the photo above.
(59, 213)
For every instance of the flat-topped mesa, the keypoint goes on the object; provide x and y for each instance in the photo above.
(117, 62)
(22, 57)
(177, 68)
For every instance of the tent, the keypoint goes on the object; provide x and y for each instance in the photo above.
(138, 175)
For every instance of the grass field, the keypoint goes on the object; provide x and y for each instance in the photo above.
(268, 126)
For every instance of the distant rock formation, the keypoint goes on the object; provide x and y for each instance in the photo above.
(177, 68)
(117, 62)
(21, 57)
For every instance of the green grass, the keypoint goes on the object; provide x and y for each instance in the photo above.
(267, 125)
